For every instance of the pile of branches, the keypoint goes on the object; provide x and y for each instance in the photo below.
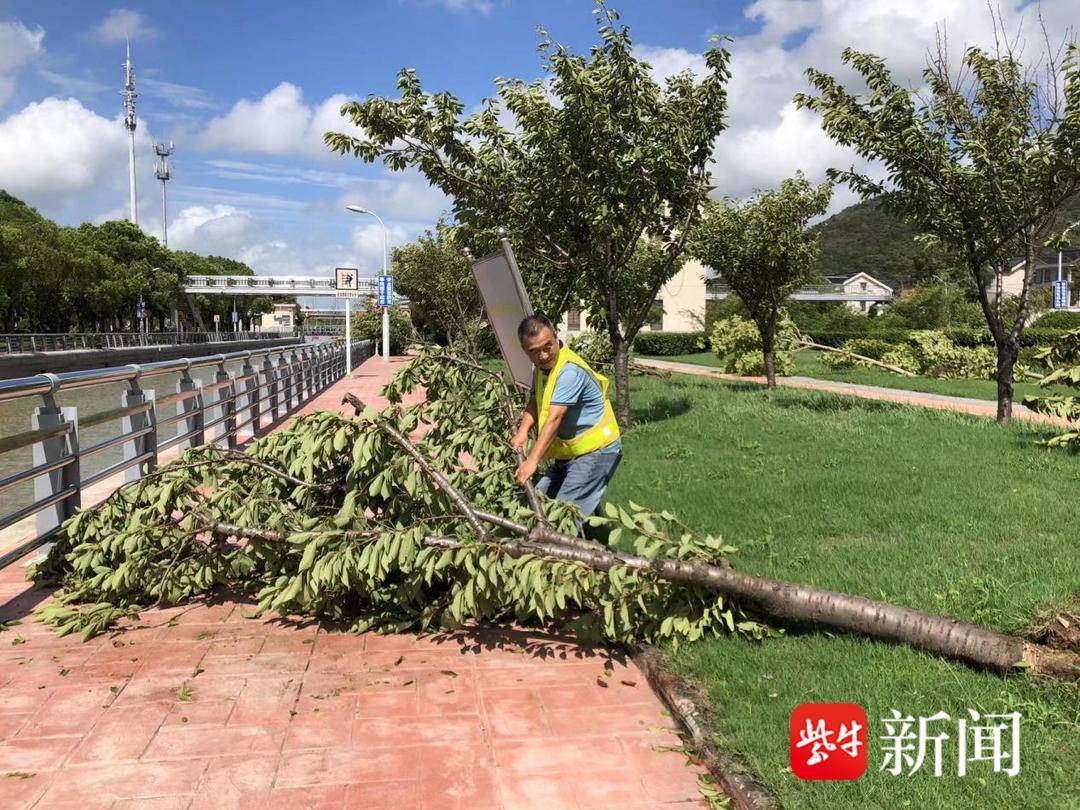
(1063, 360)
(409, 519)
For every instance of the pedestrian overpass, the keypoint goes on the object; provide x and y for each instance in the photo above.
(716, 291)
(273, 285)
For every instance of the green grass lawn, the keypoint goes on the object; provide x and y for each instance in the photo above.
(943, 512)
(808, 364)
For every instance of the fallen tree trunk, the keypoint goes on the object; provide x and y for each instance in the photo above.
(809, 344)
(787, 602)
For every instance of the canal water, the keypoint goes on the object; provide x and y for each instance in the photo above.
(15, 417)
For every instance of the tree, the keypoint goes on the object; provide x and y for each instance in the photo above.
(600, 160)
(434, 275)
(353, 520)
(368, 326)
(763, 250)
(980, 165)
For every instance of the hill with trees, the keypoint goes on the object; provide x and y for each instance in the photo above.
(90, 278)
(865, 237)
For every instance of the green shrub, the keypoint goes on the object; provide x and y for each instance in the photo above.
(891, 335)
(737, 342)
(1042, 336)
(368, 326)
(669, 343)
(873, 348)
(934, 305)
(902, 357)
(938, 356)
(594, 348)
(1059, 319)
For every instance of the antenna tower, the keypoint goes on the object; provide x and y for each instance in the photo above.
(130, 95)
(161, 172)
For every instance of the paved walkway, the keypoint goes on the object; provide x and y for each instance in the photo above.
(294, 715)
(978, 407)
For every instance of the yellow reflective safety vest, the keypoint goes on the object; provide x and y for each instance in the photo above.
(600, 435)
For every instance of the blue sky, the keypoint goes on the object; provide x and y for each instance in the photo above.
(245, 89)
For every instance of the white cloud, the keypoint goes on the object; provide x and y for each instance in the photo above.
(18, 45)
(216, 229)
(182, 95)
(463, 6)
(279, 123)
(73, 85)
(767, 138)
(55, 150)
(122, 24)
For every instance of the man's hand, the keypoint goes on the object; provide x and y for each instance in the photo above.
(525, 471)
(520, 442)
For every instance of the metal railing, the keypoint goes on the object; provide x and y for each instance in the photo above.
(28, 343)
(194, 414)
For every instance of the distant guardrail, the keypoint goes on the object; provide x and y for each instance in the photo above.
(200, 414)
(33, 342)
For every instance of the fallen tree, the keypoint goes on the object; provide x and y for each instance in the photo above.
(409, 519)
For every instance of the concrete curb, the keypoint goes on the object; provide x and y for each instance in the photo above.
(731, 775)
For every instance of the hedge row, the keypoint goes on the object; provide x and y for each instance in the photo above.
(662, 344)
(1035, 336)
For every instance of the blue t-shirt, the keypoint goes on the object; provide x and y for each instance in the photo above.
(580, 393)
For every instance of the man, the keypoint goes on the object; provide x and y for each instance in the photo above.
(575, 423)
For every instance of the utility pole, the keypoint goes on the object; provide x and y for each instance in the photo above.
(161, 172)
(130, 95)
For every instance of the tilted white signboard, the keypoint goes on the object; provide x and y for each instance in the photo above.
(506, 303)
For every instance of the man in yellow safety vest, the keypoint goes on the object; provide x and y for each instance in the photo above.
(575, 423)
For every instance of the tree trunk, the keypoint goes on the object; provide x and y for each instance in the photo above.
(1007, 353)
(622, 382)
(793, 603)
(768, 351)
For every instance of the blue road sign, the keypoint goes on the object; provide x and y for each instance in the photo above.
(386, 291)
(1061, 294)
(235, 316)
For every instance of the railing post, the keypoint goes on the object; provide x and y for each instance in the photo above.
(251, 396)
(297, 363)
(270, 374)
(146, 443)
(227, 405)
(285, 400)
(310, 360)
(192, 410)
(305, 380)
(56, 448)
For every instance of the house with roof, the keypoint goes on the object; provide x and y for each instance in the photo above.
(1044, 274)
(860, 284)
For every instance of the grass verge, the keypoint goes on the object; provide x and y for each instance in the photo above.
(939, 511)
(808, 364)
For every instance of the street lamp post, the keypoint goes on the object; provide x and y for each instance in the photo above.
(357, 209)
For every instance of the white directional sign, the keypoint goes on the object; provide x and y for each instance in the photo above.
(347, 282)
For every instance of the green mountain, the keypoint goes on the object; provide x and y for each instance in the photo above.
(864, 237)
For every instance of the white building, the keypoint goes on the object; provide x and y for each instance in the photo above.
(680, 306)
(281, 319)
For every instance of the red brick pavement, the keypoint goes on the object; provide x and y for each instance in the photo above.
(291, 714)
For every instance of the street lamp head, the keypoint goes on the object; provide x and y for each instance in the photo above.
(357, 209)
